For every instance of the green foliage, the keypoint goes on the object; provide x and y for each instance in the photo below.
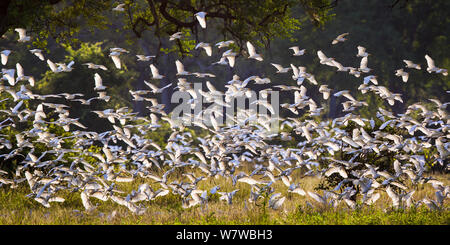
(242, 20)
(407, 33)
(19, 209)
(368, 216)
(58, 19)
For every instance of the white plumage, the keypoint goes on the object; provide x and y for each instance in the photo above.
(252, 52)
(4, 56)
(201, 17)
(115, 58)
(155, 72)
(98, 82)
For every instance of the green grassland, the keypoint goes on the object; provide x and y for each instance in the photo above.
(17, 209)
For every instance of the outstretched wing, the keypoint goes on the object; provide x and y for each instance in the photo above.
(363, 64)
(19, 70)
(231, 60)
(22, 32)
(98, 80)
(342, 35)
(180, 66)
(210, 86)
(208, 50)
(116, 61)
(251, 49)
(201, 19)
(52, 65)
(279, 67)
(321, 55)
(155, 72)
(430, 62)
(361, 49)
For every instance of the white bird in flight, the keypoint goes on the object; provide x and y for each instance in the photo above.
(340, 38)
(117, 49)
(206, 46)
(53, 66)
(4, 55)
(201, 17)
(115, 58)
(9, 74)
(224, 44)
(144, 58)
(38, 53)
(119, 8)
(231, 57)
(346, 94)
(340, 66)
(410, 64)
(155, 89)
(180, 69)
(64, 67)
(371, 78)
(98, 82)
(252, 52)
(222, 61)
(323, 58)
(293, 188)
(297, 51)
(275, 202)
(20, 72)
(325, 91)
(86, 203)
(432, 67)
(22, 35)
(281, 69)
(363, 65)
(176, 35)
(403, 74)
(94, 66)
(155, 72)
(362, 52)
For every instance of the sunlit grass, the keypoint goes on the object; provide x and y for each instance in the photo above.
(17, 209)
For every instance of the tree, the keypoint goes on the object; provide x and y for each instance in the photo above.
(240, 20)
(59, 19)
(410, 29)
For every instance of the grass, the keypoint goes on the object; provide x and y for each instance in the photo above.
(17, 209)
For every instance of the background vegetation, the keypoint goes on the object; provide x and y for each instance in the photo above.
(167, 210)
(84, 31)
(390, 32)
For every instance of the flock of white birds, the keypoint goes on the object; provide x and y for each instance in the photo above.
(185, 161)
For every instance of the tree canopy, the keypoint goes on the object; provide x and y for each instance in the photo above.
(240, 20)
(391, 30)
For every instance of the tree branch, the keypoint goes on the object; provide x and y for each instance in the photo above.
(397, 1)
(141, 20)
(329, 6)
(155, 15)
(274, 13)
(168, 17)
